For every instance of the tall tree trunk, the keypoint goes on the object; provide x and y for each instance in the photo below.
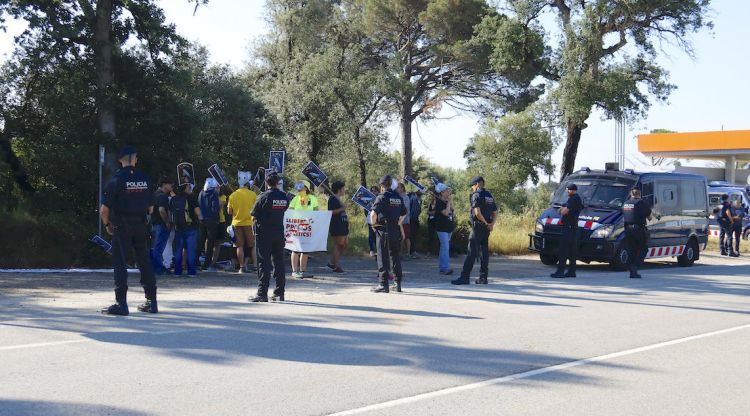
(105, 75)
(406, 149)
(571, 148)
(357, 137)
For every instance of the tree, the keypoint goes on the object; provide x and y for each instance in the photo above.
(510, 151)
(431, 48)
(292, 79)
(606, 57)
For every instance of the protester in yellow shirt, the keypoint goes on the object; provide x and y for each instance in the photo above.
(306, 202)
(240, 204)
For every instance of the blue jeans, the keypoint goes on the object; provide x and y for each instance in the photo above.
(186, 239)
(444, 259)
(161, 237)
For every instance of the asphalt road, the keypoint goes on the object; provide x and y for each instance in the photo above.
(676, 342)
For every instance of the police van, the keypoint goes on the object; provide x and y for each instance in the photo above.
(678, 228)
(736, 193)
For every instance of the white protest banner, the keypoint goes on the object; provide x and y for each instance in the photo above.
(306, 231)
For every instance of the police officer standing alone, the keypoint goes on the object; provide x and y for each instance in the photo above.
(726, 222)
(387, 216)
(268, 212)
(569, 237)
(125, 204)
(483, 215)
(635, 213)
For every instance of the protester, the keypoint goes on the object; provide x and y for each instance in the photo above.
(225, 222)
(125, 204)
(636, 212)
(406, 223)
(240, 204)
(431, 233)
(371, 231)
(210, 209)
(739, 214)
(387, 215)
(303, 201)
(444, 224)
(160, 224)
(185, 217)
(568, 250)
(268, 212)
(483, 215)
(415, 209)
(339, 228)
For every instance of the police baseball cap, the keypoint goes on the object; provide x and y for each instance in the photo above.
(441, 187)
(572, 187)
(475, 180)
(126, 151)
(386, 180)
(272, 178)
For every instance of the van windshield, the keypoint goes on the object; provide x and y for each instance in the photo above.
(597, 191)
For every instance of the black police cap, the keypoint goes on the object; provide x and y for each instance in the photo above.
(475, 180)
(572, 187)
(386, 180)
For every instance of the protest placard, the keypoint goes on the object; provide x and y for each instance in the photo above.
(314, 174)
(364, 198)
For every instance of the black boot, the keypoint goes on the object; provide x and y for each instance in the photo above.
(258, 298)
(277, 297)
(396, 286)
(481, 281)
(149, 306)
(461, 281)
(120, 308)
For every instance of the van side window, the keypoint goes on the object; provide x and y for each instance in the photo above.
(647, 192)
(693, 196)
(667, 197)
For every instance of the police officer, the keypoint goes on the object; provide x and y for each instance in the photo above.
(125, 204)
(739, 215)
(635, 213)
(268, 212)
(726, 223)
(483, 215)
(569, 237)
(387, 216)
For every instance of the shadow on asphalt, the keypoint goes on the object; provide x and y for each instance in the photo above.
(35, 408)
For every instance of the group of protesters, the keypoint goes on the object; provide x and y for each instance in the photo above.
(187, 225)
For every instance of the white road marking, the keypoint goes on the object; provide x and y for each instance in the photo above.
(42, 344)
(532, 373)
(77, 341)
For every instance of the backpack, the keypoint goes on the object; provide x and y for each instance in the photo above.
(179, 211)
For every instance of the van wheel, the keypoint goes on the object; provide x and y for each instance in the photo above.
(548, 260)
(690, 255)
(620, 261)
(746, 234)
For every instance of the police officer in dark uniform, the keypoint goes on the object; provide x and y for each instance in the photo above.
(569, 237)
(125, 204)
(726, 223)
(387, 216)
(268, 212)
(740, 212)
(483, 215)
(635, 213)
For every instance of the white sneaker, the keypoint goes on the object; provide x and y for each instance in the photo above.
(372, 254)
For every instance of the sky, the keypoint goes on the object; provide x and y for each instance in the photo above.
(713, 89)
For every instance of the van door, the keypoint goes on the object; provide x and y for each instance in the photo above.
(695, 210)
(665, 227)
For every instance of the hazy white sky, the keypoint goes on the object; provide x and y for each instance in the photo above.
(712, 92)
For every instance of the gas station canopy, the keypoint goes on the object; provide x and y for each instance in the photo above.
(714, 145)
(728, 146)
